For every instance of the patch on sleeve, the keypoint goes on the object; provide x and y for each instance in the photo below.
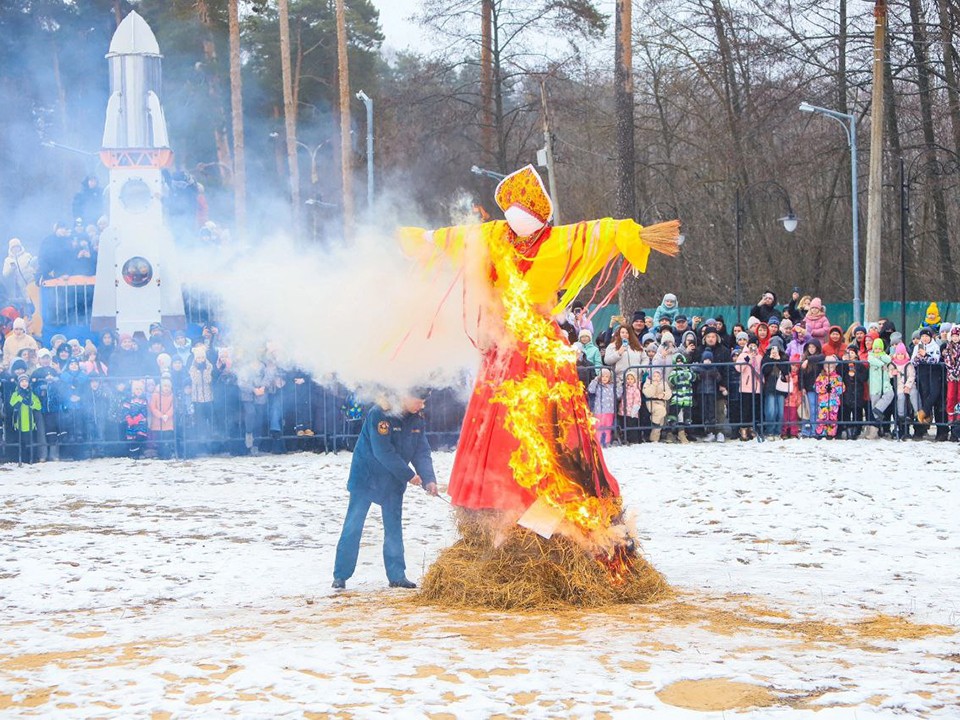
(383, 427)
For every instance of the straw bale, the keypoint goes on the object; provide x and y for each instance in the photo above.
(500, 566)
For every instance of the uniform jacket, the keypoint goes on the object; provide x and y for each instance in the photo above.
(387, 446)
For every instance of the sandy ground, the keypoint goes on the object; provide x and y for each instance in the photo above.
(812, 580)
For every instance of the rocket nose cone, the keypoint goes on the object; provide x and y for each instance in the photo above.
(134, 37)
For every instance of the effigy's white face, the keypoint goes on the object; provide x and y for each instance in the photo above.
(522, 222)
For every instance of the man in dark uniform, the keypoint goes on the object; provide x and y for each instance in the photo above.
(379, 473)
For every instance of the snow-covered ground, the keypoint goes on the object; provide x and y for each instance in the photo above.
(814, 579)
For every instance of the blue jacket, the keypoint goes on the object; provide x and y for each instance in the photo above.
(387, 445)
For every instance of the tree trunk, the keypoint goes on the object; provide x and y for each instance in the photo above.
(117, 11)
(224, 161)
(950, 72)
(893, 124)
(236, 107)
(486, 79)
(626, 199)
(346, 148)
(871, 288)
(289, 115)
(929, 140)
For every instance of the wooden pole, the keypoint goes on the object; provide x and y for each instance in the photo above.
(548, 148)
(346, 147)
(486, 78)
(236, 107)
(871, 290)
(289, 115)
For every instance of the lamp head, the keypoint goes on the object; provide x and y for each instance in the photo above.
(806, 107)
(789, 222)
(681, 239)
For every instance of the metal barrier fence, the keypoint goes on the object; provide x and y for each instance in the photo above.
(94, 416)
(99, 416)
(743, 399)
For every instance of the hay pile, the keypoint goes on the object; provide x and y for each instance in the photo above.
(506, 567)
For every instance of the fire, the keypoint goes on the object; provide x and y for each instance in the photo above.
(530, 400)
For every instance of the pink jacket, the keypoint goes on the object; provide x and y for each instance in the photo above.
(817, 328)
(751, 379)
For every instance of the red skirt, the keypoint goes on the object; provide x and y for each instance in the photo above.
(481, 477)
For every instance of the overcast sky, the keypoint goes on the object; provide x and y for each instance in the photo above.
(398, 32)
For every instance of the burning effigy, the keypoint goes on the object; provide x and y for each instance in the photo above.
(540, 516)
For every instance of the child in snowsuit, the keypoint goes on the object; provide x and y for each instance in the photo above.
(854, 374)
(657, 392)
(681, 383)
(829, 388)
(25, 405)
(951, 361)
(604, 406)
(135, 418)
(881, 392)
(630, 405)
(904, 375)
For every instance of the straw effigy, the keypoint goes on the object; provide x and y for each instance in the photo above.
(506, 567)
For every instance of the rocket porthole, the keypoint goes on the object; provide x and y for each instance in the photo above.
(137, 271)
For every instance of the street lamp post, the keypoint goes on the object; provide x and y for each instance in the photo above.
(487, 173)
(368, 104)
(849, 123)
(789, 222)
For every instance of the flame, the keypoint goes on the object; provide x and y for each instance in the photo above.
(531, 401)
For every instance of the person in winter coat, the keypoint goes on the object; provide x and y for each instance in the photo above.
(932, 319)
(590, 351)
(829, 387)
(390, 440)
(16, 341)
(25, 406)
(708, 387)
(669, 308)
(951, 362)
(162, 423)
(797, 309)
(926, 358)
(88, 202)
(19, 269)
(881, 391)
(74, 402)
(809, 370)
(776, 379)
(762, 331)
(835, 344)
(135, 412)
(798, 341)
(106, 344)
(657, 392)
(102, 426)
(854, 374)
(904, 374)
(201, 395)
(793, 399)
(816, 322)
(604, 405)
(631, 408)
(623, 353)
(766, 308)
(681, 383)
(751, 388)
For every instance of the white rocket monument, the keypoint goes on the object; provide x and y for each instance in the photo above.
(137, 280)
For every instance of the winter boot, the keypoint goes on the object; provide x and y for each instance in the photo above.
(682, 436)
(655, 435)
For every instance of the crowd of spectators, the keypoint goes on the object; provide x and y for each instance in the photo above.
(787, 372)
